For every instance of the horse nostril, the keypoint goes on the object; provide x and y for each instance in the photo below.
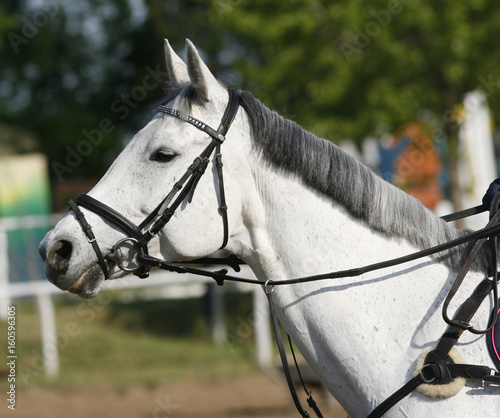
(56, 256)
(63, 249)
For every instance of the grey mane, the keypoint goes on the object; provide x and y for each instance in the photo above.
(326, 168)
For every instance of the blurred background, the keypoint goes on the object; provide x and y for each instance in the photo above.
(410, 87)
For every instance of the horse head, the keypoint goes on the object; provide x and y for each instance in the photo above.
(147, 170)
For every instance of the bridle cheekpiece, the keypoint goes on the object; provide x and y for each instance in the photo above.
(140, 235)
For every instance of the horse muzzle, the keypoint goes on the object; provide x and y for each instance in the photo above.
(63, 270)
(56, 256)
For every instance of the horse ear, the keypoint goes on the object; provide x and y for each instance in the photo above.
(176, 69)
(200, 75)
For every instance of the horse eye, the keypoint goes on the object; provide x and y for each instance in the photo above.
(163, 156)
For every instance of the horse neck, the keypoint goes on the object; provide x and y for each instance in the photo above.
(291, 163)
(295, 231)
(309, 233)
(347, 324)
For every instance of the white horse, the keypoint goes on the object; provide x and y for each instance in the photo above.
(297, 206)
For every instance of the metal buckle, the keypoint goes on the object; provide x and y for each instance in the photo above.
(118, 256)
(425, 379)
(266, 284)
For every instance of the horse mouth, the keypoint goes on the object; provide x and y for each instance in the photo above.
(89, 283)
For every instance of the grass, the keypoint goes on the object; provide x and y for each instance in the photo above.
(104, 342)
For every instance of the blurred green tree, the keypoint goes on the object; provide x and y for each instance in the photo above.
(78, 78)
(350, 68)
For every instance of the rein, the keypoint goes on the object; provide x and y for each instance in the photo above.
(437, 367)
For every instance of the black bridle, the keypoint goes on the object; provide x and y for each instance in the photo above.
(140, 235)
(436, 370)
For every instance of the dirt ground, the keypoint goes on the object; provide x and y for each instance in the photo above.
(249, 397)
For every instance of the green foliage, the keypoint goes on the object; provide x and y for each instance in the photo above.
(77, 76)
(353, 68)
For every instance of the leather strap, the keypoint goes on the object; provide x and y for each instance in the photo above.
(436, 361)
(116, 218)
(310, 401)
(392, 400)
(184, 188)
(470, 306)
(284, 361)
(226, 121)
(108, 213)
(431, 373)
(464, 213)
(87, 230)
(222, 205)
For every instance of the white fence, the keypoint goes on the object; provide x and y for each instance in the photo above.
(160, 285)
